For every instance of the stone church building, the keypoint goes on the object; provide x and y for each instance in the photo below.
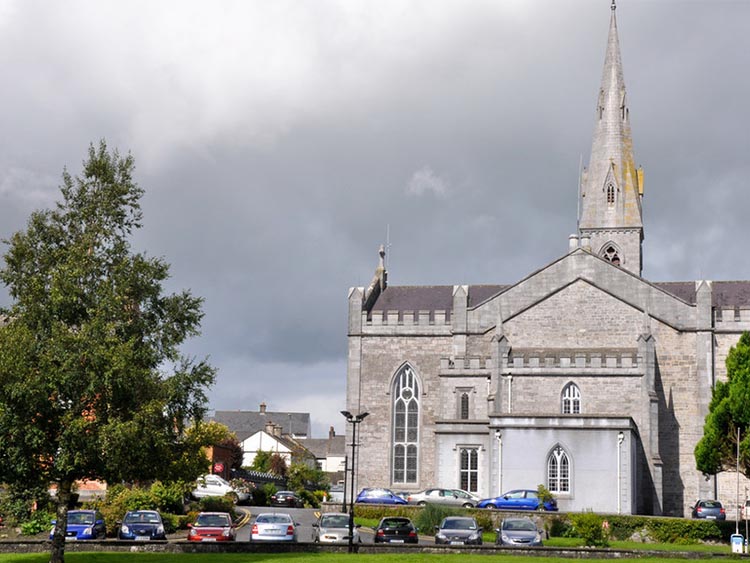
(583, 376)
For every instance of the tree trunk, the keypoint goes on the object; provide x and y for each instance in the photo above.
(57, 554)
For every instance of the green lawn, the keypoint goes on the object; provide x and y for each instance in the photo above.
(292, 558)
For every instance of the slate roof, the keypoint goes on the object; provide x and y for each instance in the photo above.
(324, 447)
(440, 297)
(247, 423)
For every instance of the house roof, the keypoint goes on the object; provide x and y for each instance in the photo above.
(325, 447)
(247, 423)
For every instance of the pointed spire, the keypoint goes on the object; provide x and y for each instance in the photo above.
(611, 185)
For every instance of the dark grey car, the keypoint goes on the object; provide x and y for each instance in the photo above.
(518, 532)
(709, 509)
(458, 530)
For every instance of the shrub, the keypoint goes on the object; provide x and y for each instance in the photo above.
(588, 526)
(39, 522)
(543, 493)
(309, 498)
(170, 497)
(217, 504)
(430, 516)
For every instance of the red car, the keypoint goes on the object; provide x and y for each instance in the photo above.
(212, 526)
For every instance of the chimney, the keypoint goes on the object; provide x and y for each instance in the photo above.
(263, 408)
(331, 432)
(269, 428)
(586, 242)
(277, 430)
(572, 243)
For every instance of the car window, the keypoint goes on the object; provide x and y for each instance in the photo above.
(460, 494)
(142, 517)
(80, 518)
(459, 524)
(531, 494)
(711, 504)
(525, 525)
(515, 494)
(336, 521)
(273, 519)
(212, 520)
(395, 523)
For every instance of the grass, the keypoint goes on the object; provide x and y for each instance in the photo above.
(290, 557)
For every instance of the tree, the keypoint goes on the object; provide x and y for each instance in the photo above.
(277, 465)
(729, 410)
(92, 381)
(262, 461)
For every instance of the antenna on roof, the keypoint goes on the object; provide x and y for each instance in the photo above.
(387, 244)
(578, 199)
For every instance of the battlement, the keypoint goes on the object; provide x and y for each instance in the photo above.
(731, 318)
(573, 359)
(463, 364)
(406, 318)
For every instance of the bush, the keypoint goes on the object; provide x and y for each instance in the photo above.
(40, 521)
(217, 504)
(588, 526)
(309, 498)
(170, 497)
(430, 516)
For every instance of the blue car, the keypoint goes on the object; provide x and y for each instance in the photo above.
(379, 496)
(84, 525)
(141, 525)
(519, 499)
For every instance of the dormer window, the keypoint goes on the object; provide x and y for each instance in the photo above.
(610, 194)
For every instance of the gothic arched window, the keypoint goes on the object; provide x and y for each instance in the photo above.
(558, 471)
(405, 426)
(571, 399)
(610, 254)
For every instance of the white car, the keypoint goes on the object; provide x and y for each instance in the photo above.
(274, 526)
(215, 486)
(333, 527)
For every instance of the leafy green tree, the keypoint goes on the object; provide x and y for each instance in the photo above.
(729, 410)
(262, 461)
(302, 476)
(92, 381)
(277, 465)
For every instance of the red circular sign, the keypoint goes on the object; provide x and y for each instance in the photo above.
(218, 467)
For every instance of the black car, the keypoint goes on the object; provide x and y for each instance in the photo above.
(141, 525)
(709, 510)
(286, 498)
(395, 530)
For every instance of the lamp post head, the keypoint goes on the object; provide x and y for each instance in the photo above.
(348, 415)
(361, 416)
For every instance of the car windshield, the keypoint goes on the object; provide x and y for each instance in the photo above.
(80, 517)
(711, 504)
(525, 525)
(273, 519)
(334, 521)
(212, 520)
(459, 524)
(142, 517)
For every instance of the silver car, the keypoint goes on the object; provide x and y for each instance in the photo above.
(333, 527)
(449, 497)
(274, 526)
(518, 532)
(458, 530)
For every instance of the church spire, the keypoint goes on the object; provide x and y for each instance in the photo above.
(611, 187)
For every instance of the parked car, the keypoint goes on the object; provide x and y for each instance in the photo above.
(518, 499)
(286, 498)
(83, 525)
(458, 530)
(518, 531)
(141, 525)
(709, 509)
(379, 496)
(395, 530)
(215, 486)
(449, 497)
(333, 527)
(212, 526)
(274, 526)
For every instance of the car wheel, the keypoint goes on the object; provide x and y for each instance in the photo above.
(421, 503)
(234, 497)
(490, 506)
(468, 505)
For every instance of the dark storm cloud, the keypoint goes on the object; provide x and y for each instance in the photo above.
(277, 141)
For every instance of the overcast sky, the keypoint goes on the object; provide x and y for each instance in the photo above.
(276, 141)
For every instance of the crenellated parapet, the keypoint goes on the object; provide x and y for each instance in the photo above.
(465, 367)
(731, 319)
(625, 361)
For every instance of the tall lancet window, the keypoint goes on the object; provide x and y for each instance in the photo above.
(405, 426)
(558, 471)
(571, 399)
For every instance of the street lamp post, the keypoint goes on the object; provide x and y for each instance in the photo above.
(354, 420)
